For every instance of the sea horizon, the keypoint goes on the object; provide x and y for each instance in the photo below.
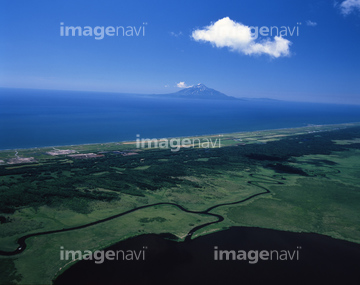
(38, 119)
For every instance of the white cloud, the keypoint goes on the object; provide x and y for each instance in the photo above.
(349, 6)
(238, 37)
(181, 84)
(176, 34)
(311, 23)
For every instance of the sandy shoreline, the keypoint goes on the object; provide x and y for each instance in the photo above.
(126, 142)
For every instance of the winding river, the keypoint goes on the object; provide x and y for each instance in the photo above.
(263, 179)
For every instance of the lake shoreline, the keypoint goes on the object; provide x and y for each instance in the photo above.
(316, 253)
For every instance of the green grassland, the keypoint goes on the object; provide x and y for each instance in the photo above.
(327, 203)
(318, 166)
(40, 262)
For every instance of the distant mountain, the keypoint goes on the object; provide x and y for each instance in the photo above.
(199, 91)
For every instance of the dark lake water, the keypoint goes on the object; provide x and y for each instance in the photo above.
(322, 260)
(38, 118)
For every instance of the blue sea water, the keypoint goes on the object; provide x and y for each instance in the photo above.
(37, 118)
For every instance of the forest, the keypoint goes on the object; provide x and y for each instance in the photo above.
(75, 183)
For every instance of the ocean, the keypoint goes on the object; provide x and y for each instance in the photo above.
(39, 118)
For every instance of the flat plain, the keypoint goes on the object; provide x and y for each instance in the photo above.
(301, 180)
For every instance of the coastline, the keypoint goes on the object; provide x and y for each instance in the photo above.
(239, 138)
(129, 142)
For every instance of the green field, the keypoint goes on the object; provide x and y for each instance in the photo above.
(318, 167)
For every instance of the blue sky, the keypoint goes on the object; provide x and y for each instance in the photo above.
(186, 41)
